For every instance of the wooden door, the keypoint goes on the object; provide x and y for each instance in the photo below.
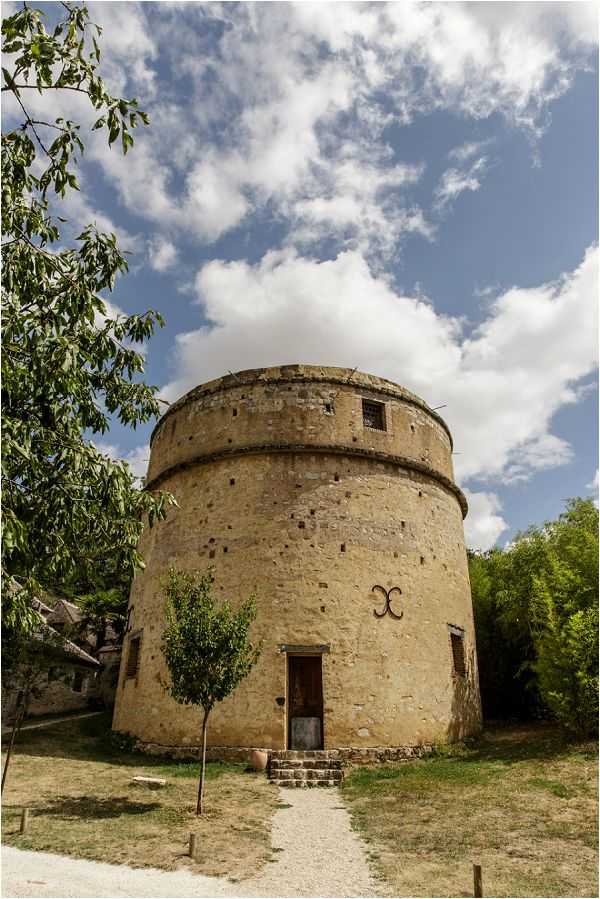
(305, 689)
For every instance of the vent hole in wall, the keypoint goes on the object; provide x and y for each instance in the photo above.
(336, 477)
(234, 413)
(231, 482)
(422, 560)
(343, 548)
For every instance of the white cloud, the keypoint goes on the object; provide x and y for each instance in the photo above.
(137, 458)
(77, 207)
(277, 108)
(455, 181)
(466, 151)
(501, 384)
(162, 254)
(594, 485)
(483, 524)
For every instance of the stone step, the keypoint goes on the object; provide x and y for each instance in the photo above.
(299, 754)
(312, 774)
(301, 783)
(304, 763)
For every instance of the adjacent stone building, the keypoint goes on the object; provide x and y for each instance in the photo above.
(328, 493)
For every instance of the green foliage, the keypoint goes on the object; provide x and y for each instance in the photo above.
(565, 617)
(536, 616)
(121, 741)
(67, 366)
(206, 645)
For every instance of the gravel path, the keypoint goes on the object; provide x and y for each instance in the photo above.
(316, 854)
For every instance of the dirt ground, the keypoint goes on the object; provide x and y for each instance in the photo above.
(521, 802)
(83, 803)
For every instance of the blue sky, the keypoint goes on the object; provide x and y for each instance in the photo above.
(409, 188)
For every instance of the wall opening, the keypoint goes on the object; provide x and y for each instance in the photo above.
(457, 642)
(373, 415)
(133, 657)
(305, 701)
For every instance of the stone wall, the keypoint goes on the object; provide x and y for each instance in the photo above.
(284, 491)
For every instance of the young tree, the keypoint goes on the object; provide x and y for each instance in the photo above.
(67, 365)
(206, 647)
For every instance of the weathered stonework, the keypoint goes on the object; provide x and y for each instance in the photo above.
(283, 489)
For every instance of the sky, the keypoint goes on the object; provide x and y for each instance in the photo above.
(406, 188)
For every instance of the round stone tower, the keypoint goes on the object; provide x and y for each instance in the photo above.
(328, 493)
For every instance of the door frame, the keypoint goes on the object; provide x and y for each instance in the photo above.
(316, 653)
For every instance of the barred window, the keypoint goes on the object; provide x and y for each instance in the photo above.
(373, 415)
(133, 658)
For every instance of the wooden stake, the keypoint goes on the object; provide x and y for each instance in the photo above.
(24, 820)
(193, 845)
(477, 881)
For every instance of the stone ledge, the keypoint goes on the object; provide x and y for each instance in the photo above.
(331, 449)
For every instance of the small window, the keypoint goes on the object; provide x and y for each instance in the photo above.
(457, 641)
(133, 659)
(78, 682)
(373, 415)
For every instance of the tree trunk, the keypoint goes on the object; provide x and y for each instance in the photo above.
(203, 766)
(14, 733)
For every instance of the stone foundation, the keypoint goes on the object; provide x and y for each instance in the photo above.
(348, 755)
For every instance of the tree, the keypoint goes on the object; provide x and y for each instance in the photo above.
(536, 619)
(67, 365)
(206, 647)
(565, 614)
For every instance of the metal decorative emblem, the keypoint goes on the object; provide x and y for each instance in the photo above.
(387, 609)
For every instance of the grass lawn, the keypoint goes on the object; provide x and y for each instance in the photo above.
(82, 803)
(521, 802)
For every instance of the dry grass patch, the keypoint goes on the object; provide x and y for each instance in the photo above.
(82, 803)
(521, 801)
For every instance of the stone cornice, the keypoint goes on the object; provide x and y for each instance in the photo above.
(322, 449)
(303, 374)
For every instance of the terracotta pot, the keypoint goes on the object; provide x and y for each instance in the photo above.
(259, 759)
